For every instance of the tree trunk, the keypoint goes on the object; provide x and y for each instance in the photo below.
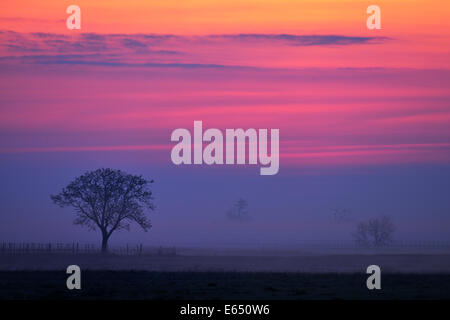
(104, 242)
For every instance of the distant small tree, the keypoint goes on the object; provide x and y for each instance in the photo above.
(109, 200)
(239, 212)
(376, 232)
(341, 215)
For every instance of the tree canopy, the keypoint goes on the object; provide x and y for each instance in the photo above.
(109, 200)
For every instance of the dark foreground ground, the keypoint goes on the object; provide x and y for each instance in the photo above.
(329, 263)
(220, 285)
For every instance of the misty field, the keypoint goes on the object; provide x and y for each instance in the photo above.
(43, 276)
(317, 263)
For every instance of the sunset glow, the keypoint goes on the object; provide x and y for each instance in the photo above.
(345, 98)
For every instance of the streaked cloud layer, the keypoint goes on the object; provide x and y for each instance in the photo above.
(153, 50)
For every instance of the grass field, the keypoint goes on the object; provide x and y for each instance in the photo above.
(329, 263)
(43, 276)
(219, 285)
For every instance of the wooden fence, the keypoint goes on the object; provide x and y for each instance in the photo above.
(16, 248)
(78, 248)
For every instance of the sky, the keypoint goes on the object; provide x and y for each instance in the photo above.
(364, 115)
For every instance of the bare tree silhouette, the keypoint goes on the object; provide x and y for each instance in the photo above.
(376, 232)
(109, 200)
(341, 214)
(239, 212)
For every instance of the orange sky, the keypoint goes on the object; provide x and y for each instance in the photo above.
(227, 16)
(420, 28)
